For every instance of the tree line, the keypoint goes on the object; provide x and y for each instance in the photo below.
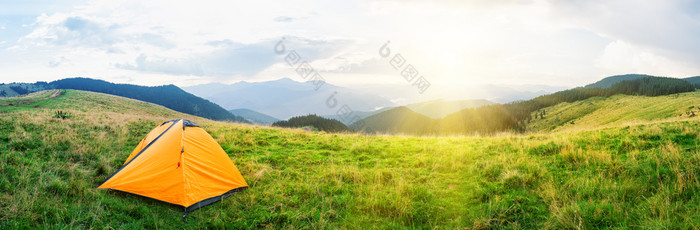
(320, 123)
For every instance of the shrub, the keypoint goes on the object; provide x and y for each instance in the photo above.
(62, 115)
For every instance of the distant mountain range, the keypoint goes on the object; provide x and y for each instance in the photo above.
(354, 116)
(516, 115)
(285, 98)
(254, 117)
(400, 120)
(501, 93)
(440, 108)
(421, 116)
(267, 102)
(433, 109)
(169, 96)
(610, 81)
(494, 93)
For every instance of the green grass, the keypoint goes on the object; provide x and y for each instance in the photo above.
(639, 176)
(617, 110)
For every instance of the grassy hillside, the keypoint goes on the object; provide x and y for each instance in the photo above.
(511, 117)
(617, 110)
(641, 176)
(169, 96)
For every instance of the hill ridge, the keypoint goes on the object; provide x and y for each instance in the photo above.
(169, 96)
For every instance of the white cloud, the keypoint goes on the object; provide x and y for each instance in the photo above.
(622, 57)
(173, 38)
(666, 28)
(452, 43)
(58, 61)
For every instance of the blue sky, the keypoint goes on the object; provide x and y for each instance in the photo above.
(451, 43)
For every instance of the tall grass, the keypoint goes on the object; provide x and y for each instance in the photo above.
(641, 176)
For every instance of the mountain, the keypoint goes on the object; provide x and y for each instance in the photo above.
(169, 96)
(433, 109)
(255, 117)
(399, 120)
(440, 108)
(285, 98)
(319, 123)
(515, 116)
(693, 80)
(609, 81)
(501, 93)
(512, 116)
(17, 89)
(354, 116)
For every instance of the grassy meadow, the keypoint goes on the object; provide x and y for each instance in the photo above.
(642, 175)
(599, 112)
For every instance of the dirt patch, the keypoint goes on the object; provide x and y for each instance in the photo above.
(55, 93)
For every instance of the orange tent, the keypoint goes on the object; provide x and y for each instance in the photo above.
(178, 163)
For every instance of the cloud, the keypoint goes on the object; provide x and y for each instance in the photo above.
(229, 58)
(367, 66)
(453, 42)
(92, 33)
(154, 40)
(72, 31)
(165, 65)
(283, 19)
(77, 23)
(239, 59)
(57, 62)
(470, 3)
(135, 37)
(666, 28)
(622, 57)
(314, 49)
(221, 43)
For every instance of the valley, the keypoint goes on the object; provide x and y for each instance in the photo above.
(637, 174)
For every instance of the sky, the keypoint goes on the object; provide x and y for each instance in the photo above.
(451, 44)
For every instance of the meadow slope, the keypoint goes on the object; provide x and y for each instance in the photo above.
(600, 112)
(640, 176)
